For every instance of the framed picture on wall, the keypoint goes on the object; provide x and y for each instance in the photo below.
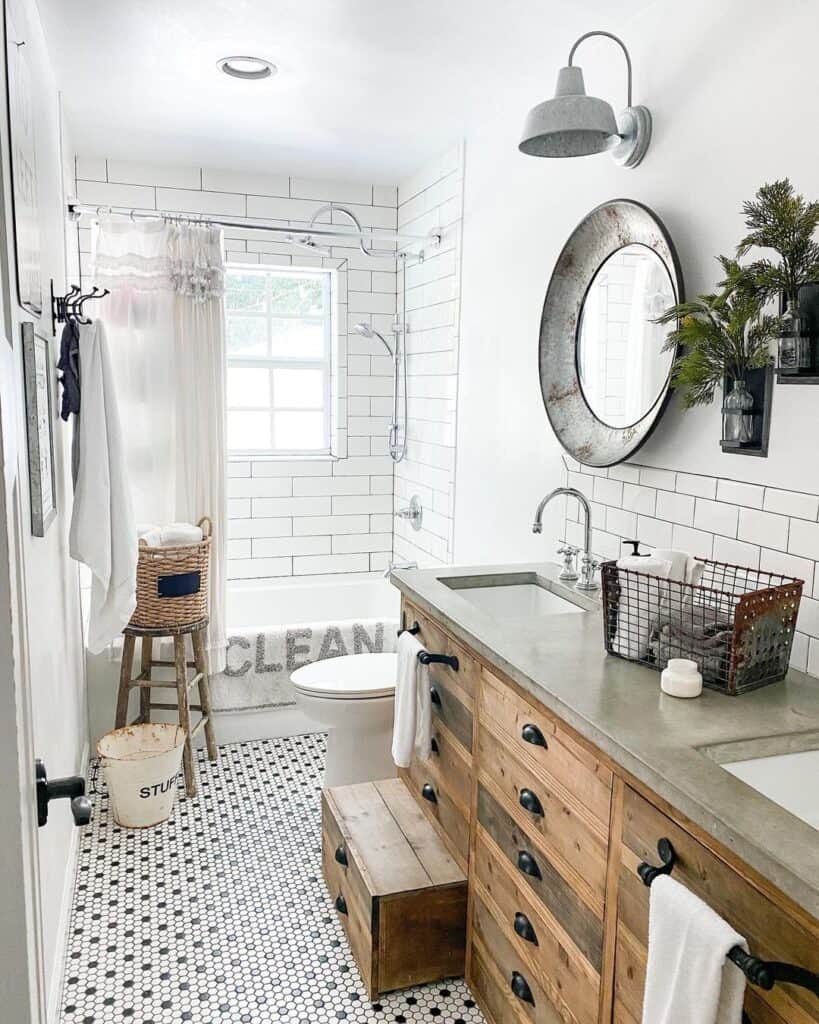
(22, 134)
(37, 382)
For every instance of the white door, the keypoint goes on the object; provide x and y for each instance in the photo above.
(22, 982)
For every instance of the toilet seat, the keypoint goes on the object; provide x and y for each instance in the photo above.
(351, 677)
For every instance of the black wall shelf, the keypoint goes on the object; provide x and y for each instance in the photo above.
(760, 384)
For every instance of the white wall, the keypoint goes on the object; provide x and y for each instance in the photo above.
(297, 517)
(733, 108)
(50, 577)
(431, 201)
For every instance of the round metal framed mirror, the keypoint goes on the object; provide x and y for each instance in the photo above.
(603, 373)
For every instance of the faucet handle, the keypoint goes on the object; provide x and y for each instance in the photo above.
(567, 549)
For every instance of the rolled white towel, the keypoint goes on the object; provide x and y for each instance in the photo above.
(150, 533)
(177, 534)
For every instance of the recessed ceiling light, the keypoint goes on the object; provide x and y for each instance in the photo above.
(249, 68)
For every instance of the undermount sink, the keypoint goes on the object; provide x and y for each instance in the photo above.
(513, 596)
(784, 769)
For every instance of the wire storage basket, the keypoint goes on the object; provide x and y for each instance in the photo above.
(736, 623)
(172, 583)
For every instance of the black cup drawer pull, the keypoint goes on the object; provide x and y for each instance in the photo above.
(341, 905)
(523, 927)
(520, 987)
(341, 856)
(428, 793)
(529, 802)
(434, 696)
(531, 734)
(528, 865)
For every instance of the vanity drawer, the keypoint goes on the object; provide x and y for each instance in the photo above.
(576, 841)
(772, 931)
(566, 975)
(514, 987)
(533, 869)
(437, 641)
(547, 747)
(435, 797)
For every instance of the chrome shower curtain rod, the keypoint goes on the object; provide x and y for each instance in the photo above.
(76, 210)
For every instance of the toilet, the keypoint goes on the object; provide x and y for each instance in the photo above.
(353, 698)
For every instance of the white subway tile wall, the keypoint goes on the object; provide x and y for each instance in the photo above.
(745, 524)
(431, 201)
(304, 517)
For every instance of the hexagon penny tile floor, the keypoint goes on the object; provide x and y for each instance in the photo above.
(220, 916)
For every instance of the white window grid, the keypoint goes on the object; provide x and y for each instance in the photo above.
(324, 362)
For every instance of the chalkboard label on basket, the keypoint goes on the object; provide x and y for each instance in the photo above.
(180, 585)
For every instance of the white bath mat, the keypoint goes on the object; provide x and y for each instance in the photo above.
(259, 663)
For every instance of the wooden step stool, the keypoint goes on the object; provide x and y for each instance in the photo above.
(181, 683)
(400, 895)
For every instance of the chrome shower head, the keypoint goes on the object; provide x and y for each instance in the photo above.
(368, 332)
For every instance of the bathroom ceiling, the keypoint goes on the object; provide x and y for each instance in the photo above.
(366, 89)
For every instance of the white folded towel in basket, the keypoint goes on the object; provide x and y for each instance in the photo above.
(177, 534)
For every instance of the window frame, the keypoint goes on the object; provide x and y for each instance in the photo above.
(325, 362)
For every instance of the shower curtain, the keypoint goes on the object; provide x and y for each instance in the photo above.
(166, 328)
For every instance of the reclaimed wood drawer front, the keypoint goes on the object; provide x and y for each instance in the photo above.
(437, 641)
(571, 983)
(770, 929)
(485, 981)
(544, 743)
(424, 781)
(544, 882)
(577, 842)
(400, 896)
(514, 975)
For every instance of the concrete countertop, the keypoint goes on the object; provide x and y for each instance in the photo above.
(618, 706)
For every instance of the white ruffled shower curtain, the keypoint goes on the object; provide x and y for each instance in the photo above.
(166, 329)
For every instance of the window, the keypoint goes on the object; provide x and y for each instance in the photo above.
(279, 359)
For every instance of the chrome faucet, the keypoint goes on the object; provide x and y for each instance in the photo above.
(399, 565)
(588, 563)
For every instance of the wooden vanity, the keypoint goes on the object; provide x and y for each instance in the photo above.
(549, 832)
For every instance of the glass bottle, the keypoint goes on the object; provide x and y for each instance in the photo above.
(794, 343)
(737, 415)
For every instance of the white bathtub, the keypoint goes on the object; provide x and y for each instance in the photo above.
(260, 603)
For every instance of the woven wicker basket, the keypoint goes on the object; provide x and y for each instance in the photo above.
(172, 583)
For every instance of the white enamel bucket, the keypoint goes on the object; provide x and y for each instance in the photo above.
(141, 764)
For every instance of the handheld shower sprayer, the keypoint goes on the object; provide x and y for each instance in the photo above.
(398, 448)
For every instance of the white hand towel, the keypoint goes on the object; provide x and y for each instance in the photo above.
(103, 531)
(689, 980)
(175, 534)
(412, 722)
(639, 603)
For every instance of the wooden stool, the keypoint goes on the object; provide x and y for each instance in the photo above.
(181, 684)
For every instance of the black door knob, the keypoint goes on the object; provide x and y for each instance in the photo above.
(521, 989)
(529, 802)
(528, 865)
(523, 927)
(71, 788)
(341, 905)
(428, 793)
(531, 734)
(341, 856)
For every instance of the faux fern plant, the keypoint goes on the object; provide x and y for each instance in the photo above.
(720, 334)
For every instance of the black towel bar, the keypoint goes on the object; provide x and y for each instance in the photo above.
(764, 973)
(413, 629)
(438, 659)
